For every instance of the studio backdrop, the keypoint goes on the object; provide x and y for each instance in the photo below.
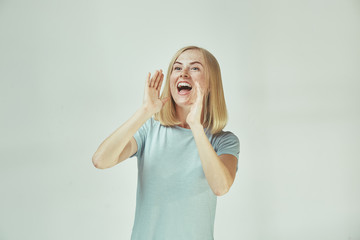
(72, 72)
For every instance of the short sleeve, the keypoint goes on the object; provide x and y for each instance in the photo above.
(227, 143)
(140, 137)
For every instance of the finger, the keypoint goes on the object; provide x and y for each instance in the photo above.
(160, 83)
(199, 93)
(158, 87)
(158, 78)
(198, 88)
(147, 82)
(152, 83)
(148, 79)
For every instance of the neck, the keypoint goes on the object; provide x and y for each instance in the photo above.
(181, 115)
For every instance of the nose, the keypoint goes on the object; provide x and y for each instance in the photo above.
(184, 73)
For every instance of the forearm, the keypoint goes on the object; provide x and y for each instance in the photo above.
(109, 150)
(216, 173)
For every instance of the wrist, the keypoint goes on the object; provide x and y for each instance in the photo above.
(145, 111)
(196, 126)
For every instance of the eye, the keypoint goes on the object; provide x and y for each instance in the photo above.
(195, 68)
(177, 68)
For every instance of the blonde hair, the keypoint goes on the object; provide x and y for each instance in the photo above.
(214, 107)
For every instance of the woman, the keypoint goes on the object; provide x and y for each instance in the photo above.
(184, 158)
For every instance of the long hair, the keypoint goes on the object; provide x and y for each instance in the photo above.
(214, 107)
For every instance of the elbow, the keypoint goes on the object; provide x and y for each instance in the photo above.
(221, 191)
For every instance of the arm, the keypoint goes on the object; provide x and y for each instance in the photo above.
(220, 170)
(120, 145)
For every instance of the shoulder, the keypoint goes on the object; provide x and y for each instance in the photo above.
(150, 123)
(224, 136)
(155, 123)
(225, 142)
(152, 126)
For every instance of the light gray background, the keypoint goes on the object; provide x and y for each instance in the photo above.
(73, 71)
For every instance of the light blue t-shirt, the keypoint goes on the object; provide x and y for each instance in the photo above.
(174, 200)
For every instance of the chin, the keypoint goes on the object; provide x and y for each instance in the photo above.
(183, 102)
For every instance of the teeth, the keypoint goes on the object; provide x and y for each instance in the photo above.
(184, 84)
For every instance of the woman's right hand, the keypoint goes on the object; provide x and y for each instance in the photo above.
(152, 102)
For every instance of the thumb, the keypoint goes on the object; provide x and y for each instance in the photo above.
(164, 100)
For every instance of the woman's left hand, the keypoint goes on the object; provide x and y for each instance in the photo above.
(194, 116)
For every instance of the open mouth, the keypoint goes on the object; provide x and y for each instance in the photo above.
(184, 87)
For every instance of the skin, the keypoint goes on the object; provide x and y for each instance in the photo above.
(220, 170)
(189, 67)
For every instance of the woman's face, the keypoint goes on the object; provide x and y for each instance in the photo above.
(188, 68)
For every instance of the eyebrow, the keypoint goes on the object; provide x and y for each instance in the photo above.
(190, 63)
